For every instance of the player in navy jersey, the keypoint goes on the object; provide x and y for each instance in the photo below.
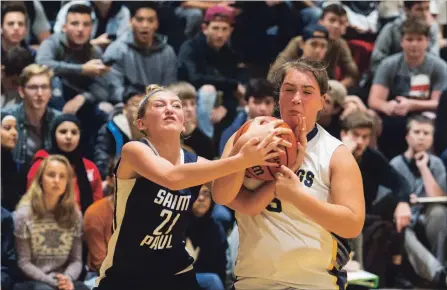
(293, 231)
(156, 184)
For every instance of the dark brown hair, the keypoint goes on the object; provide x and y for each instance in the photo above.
(318, 69)
(357, 119)
(416, 26)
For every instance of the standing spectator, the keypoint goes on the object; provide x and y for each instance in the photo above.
(206, 239)
(13, 62)
(260, 97)
(110, 20)
(65, 137)
(119, 130)
(389, 39)
(357, 130)
(427, 177)
(193, 136)
(33, 115)
(48, 230)
(14, 21)
(11, 188)
(207, 59)
(406, 83)
(142, 56)
(10, 271)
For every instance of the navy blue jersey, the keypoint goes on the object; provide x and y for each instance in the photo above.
(149, 230)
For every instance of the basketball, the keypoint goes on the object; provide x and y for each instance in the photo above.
(267, 173)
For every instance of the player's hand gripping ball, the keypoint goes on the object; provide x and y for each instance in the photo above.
(267, 173)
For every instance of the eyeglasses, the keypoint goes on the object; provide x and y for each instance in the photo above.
(205, 193)
(35, 88)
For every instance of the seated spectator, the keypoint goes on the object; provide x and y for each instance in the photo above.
(440, 141)
(260, 97)
(192, 12)
(48, 230)
(207, 59)
(37, 24)
(389, 41)
(10, 185)
(86, 83)
(193, 136)
(14, 29)
(406, 83)
(10, 272)
(33, 115)
(98, 224)
(337, 52)
(206, 240)
(333, 108)
(65, 137)
(13, 62)
(356, 133)
(142, 56)
(119, 130)
(98, 221)
(110, 20)
(313, 44)
(427, 177)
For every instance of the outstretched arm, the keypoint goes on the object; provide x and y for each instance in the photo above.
(138, 158)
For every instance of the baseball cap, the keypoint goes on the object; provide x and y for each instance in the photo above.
(315, 31)
(221, 13)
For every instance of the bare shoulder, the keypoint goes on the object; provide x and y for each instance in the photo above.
(342, 161)
(133, 152)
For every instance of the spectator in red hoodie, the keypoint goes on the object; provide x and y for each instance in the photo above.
(65, 137)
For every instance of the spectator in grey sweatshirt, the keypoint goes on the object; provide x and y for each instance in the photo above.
(86, 81)
(76, 62)
(388, 40)
(406, 83)
(141, 57)
(427, 178)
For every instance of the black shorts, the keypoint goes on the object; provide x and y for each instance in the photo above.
(185, 281)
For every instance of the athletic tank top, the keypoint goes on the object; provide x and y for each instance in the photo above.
(281, 247)
(149, 226)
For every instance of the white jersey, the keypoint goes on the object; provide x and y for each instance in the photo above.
(281, 248)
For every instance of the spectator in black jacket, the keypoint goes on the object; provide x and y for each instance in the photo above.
(9, 254)
(440, 142)
(207, 242)
(117, 131)
(357, 129)
(208, 60)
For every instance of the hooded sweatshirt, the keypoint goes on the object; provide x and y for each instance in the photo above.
(134, 65)
(67, 62)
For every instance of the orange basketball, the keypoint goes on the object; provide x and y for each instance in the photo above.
(268, 172)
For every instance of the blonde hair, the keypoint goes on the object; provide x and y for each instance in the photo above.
(65, 211)
(151, 90)
(34, 70)
(184, 90)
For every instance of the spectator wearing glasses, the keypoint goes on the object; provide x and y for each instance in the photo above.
(33, 115)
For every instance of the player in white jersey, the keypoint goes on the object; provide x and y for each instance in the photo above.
(293, 231)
